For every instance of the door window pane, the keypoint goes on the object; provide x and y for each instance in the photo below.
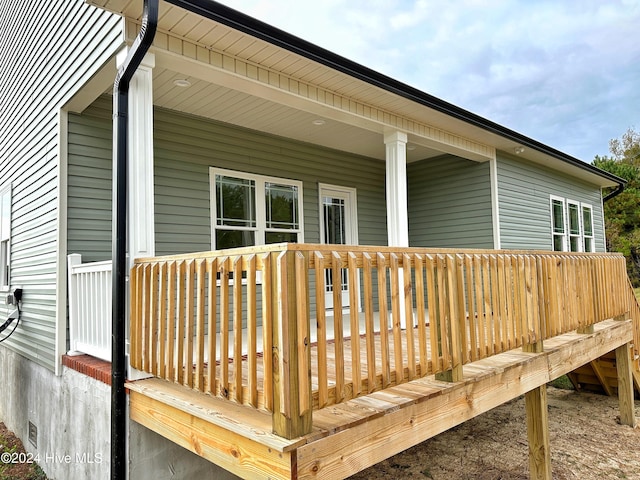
(334, 220)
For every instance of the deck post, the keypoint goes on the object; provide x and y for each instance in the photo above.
(292, 406)
(625, 385)
(538, 426)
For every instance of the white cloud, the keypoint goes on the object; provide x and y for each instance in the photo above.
(565, 73)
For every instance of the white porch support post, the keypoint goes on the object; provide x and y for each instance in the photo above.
(141, 210)
(397, 214)
(141, 228)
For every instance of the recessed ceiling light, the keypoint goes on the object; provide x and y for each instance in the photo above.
(318, 121)
(411, 147)
(519, 150)
(182, 82)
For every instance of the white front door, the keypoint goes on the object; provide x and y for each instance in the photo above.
(338, 225)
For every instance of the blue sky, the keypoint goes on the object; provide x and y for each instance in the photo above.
(564, 72)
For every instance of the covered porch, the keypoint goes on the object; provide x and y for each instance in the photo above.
(430, 338)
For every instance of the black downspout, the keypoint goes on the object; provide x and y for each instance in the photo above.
(119, 240)
(619, 189)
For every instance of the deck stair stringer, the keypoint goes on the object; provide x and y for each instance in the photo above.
(361, 432)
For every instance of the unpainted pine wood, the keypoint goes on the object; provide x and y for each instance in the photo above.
(472, 315)
(237, 327)
(222, 446)
(200, 268)
(224, 270)
(461, 315)
(625, 385)
(303, 340)
(511, 284)
(288, 420)
(252, 331)
(321, 327)
(394, 273)
(385, 367)
(488, 303)
(454, 325)
(538, 434)
(479, 308)
(434, 312)
(171, 370)
(336, 269)
(420, 313)
(136, 317)
(180, 319)
(495, 304)
(189, 322)
(533, 331)
(502, 334)
(356, 377)
(146, 327)
(520, 322)
(444, 313)
(267, 328)
(212, 331)
(408, 308)
(153, 320)
(367, 272)
(162, 327)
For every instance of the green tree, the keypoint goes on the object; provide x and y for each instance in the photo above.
(622, 213)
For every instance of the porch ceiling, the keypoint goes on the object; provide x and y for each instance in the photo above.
(264, 105)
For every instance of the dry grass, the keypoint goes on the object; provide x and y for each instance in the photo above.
(637, 292)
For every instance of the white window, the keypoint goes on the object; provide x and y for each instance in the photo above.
(5, 236)
(249, 209)
(571, 225)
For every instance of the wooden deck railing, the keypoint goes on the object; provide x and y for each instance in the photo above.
(251, 325)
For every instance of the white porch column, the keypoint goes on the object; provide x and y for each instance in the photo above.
(397, 214)
(396, 182)
(141, 240)
(140, 208)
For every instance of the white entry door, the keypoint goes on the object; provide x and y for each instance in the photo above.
(338, 225)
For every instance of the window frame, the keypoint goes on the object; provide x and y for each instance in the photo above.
(260, 230)
(554, 234)
(5, 239)
(567, 234)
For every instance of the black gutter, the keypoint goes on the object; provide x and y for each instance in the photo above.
(619, 189)
(249, 25)
(119, 277)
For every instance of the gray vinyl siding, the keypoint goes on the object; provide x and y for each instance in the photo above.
(449, 203)
(89, 185)
(524, 191)
(48, 48)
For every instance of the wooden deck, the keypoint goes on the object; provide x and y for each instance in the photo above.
(353, 435)
(336, 394)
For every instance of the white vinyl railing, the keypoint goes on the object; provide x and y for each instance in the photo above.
(90, 307)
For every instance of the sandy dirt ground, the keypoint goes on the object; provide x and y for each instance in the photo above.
(587, 443)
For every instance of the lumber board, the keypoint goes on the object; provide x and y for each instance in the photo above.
(245, 421)
(235, 453)
(400, 417)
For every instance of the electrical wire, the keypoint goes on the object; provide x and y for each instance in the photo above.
(8, 322)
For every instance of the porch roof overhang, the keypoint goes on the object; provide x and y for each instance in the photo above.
(248, 73)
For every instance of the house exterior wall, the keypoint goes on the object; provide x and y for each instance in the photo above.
(47, 50)
(185, 148)
(524, 191)
(449, 203)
